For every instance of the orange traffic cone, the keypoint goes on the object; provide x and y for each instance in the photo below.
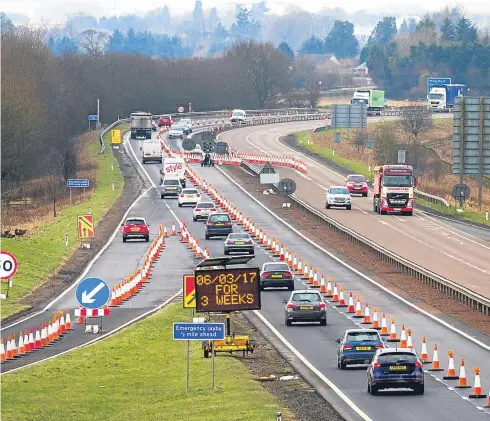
(393, 337)
(384, 326)
(68, 325)
(9, 354)
(424, 355)
(463, 381)
(367, 316)
(409, 339)
(350, 307)
(315, 280)
(341, 303)
(329, 287)
(310, 278)
(375, 319)
(32, 345)
(451, 370)
(21, 348)
(436, 366)
(165, 231)
(174, 232)
(335, 296)
(403, 338)
(323, 289)
(3, 355)
(13, 346)
(488, 402)
(306, 272)
(358, 314)
(477, 391)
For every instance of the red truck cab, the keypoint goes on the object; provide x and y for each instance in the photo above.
(357, 184)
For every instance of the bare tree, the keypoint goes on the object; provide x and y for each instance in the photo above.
(313, 87)
(54, 185)
(93, 43)
(360, 140)
(385, 144)
(414, 121)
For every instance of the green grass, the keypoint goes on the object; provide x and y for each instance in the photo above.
(138, 374)
(304, 139)
(40, 254)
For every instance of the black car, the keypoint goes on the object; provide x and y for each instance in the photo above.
(218, 225)
(305, 306)
(277, 275)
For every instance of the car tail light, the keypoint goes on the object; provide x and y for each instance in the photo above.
(249, 242)
(197, 210)
(347, 347)
(288, 274)
(229, 242)
(228, 224)
(210, 223)
(290, 305)
(265, 274)
(182, 195)
(377, 364)
(379, 346)
(418, 364)
(198, 195)
(322, 305)
(212, 210)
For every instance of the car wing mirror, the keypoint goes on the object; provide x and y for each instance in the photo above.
(284, 301)
(141, 148)
(148, 225)
(337, 340)
(122, 225)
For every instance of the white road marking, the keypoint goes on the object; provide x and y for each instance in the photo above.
(303, 175)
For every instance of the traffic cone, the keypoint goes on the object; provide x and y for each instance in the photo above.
(323, 289)
(403, 338)
(37, 341)
(21, 349)
(299, 270)
(350, 307)
(424, 355)
(393, 337)
(281, 256)
(80, 319)
(488, 402)
(310, 278)
(384, 326)
(305, 271)
(329, 287)
(165, 231)
(3, 354)
(335, 297)
(341, 303)
(463, 381)
(26, 342)
(9, 353)
(31, 340)
(375, 319)
(409, 339)
(367, 315)
(435, 360)
(13, 346)
(358, 314)
(477, 391)
(315, 279)
(174, 232)
(451, 370)
(68, 325)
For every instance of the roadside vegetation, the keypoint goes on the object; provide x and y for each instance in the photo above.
(42, 249)
(142, 365)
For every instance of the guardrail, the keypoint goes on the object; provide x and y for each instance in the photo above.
(431, 198)
(458, 292)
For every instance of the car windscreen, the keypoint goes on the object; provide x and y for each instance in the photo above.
(394, 357)
(190, 191)
(238, 113)
(178, 128)
(206, 205)
(362, 336)
(219, 218)
(239, 236)
(338, 190)
(305, 296)
(135, 222)
(357, 178)
(171, 182)
(276, 267)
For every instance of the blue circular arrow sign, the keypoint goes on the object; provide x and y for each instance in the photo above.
(93, 293)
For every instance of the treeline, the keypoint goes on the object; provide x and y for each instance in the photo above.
(46, 99)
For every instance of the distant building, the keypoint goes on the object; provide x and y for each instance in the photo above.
(362, 69)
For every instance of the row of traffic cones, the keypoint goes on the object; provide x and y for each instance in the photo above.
(335, 293)
(45, 335)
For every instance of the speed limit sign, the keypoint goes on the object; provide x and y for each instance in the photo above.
(8, 265)
(180, 109)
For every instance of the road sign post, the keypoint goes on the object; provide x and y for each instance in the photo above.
(92, 294)
(8, 268)
(402, 156)
(77, 183)
(85, 225)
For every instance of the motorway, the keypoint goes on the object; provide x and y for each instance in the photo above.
(455, 251)
(317, 344)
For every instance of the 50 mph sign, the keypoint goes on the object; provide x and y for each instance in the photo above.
(8, 265)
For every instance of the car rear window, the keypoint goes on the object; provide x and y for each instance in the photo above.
(358, 178)
(190, 191)
(338, 190)
(239, 235)
(171, 182)
(206, 205)
(135, 222)
(219, 218)
(277, 266)
(394, 357)
(362, 336)
(306, 297)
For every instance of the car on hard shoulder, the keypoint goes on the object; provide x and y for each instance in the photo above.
(305, 306)
(203, 210)
(276, 275)
(177, 132)
(189, 196)
(170, 187)
(357, 184)
(239, 242)
(395, 368)
(338, 196)
(358, 346)
(135, 228)
(218, 225)
(165, 120)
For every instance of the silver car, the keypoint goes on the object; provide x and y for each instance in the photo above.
(203, 210)
(170, 187)
(239, 242)
(338, 196)
(305, 306)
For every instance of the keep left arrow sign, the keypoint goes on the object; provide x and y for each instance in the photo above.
(87, 298)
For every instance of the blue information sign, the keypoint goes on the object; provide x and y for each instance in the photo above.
(435, 81)
(93, 293)
(93, 117)
(199, 331)
(77, 183)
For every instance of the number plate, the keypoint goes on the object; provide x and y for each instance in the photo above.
(188, 196)
(135, 229)
(306, 308)
(398, 367)
(172, 188)
(398, 209)
(363, 348)
(276, 276)
(220, 225)
(240, 242)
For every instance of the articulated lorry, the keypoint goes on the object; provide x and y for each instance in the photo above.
(393, 189)
(374, 99)
(441, 97)
(141, 125)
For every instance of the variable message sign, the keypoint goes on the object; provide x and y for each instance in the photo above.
(224, 290)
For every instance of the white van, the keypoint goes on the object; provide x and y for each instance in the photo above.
(174, 167)
(238, 116)
(151, 151)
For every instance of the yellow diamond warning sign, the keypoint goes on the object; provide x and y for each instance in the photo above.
(189, 292)
(85, 226)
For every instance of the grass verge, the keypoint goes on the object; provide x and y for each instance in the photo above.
(41, 253)
(138, 374)
(467, 215)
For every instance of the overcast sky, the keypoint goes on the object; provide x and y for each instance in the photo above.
(56, 11)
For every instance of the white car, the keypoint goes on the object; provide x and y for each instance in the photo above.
(189, 196)
(238, 116)
(177, 132)
(338, 196)
(187, 123)
(203, 210)
(197, 149)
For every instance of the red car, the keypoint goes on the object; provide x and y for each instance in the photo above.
(165, 120)
(357, 184)
(135, 227)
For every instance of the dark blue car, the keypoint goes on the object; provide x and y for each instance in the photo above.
(358, 347)
(218, 225)
(395, 368)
